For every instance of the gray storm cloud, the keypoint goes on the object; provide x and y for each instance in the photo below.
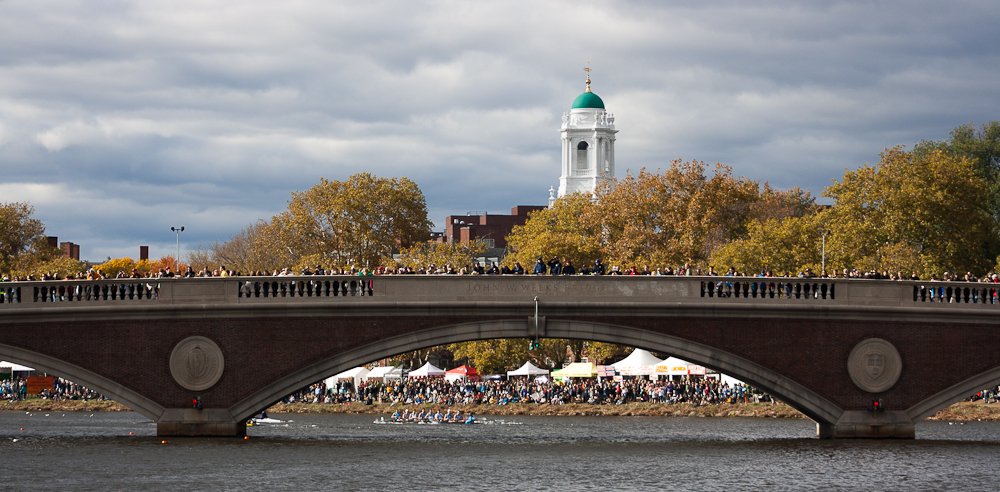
(121, 119)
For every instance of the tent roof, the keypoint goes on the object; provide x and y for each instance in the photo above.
(352, 373)
(528, 369)
(577, 370)
(14, 367)
(426, 370)
(638, 357)
(673, 361)
(464, 371)
(387, 371)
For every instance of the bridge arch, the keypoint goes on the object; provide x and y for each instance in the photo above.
(789, 391)
(954, 394)
(84, 377)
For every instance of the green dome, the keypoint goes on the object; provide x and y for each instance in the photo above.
(588, 100)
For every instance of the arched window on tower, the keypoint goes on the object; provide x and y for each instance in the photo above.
(581, 155)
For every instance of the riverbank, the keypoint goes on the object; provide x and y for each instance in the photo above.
(40, 405)
(963, 411)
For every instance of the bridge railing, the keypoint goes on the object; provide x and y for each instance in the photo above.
(956, 293)
(772, 288)
(79, 291)
(506, 288)
(264, 287)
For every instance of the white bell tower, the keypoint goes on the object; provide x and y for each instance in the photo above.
(588, 144)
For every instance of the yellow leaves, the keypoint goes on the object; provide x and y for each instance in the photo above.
(925, 212)
(441, 254)
(567, 230)
(679, 216)
(356, 222)
(22, 240)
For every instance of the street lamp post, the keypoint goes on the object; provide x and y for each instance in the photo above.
(823, 263)
(178, 231)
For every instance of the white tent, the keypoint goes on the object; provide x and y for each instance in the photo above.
(528, 369)
(355, 375)
(428, 370)
(639, 363)
(12, 367)
(384, 373)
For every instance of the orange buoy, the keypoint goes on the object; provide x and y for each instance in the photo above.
(246, 437)
(131, 433)
(163, 442)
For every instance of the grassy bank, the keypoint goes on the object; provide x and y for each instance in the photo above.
(964, 411)
(40, 405)
(574, 409)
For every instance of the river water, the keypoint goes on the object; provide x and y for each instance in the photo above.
(120, 451)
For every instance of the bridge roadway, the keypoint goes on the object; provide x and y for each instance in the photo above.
(828, 347)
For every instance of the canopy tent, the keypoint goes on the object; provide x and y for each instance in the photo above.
(528, 369)
(576, 370)
(639, 363)
(384, 373)
(354, 375)
(426, 371)
(12, 367)
(461, 372)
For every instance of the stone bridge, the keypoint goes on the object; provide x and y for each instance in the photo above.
(828, 347)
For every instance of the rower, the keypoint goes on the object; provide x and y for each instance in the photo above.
(395, 416)
(471, 419)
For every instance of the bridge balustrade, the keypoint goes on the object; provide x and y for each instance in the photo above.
(305, 287)
(736, 287)
(956, 293)
(427, 288)
(79, 291)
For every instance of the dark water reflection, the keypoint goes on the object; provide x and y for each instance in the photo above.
(348, 452)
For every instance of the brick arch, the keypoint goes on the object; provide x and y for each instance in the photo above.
(789, 391)
(109, 388)
(954, 394)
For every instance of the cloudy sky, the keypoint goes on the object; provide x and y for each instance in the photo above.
(120, 119)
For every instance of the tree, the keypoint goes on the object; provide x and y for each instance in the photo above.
(925, 212)
(258, 247)
(563, 230)
(439, 254)
(683, 215)
(982, 147)
(778, 245)
(22, 240)
(58, 266)
(359, 221)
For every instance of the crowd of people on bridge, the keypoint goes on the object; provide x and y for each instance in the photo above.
(554, 266)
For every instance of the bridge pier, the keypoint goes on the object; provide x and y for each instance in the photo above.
(861, 424)
(190, 422)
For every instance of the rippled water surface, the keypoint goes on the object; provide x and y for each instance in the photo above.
(82, 451)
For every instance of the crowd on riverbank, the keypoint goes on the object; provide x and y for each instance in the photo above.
(603, 391)
(15, 389)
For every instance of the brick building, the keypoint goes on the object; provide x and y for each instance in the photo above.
(489, 228)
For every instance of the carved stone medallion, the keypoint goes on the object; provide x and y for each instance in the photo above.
(874, 365)
(197, 363)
